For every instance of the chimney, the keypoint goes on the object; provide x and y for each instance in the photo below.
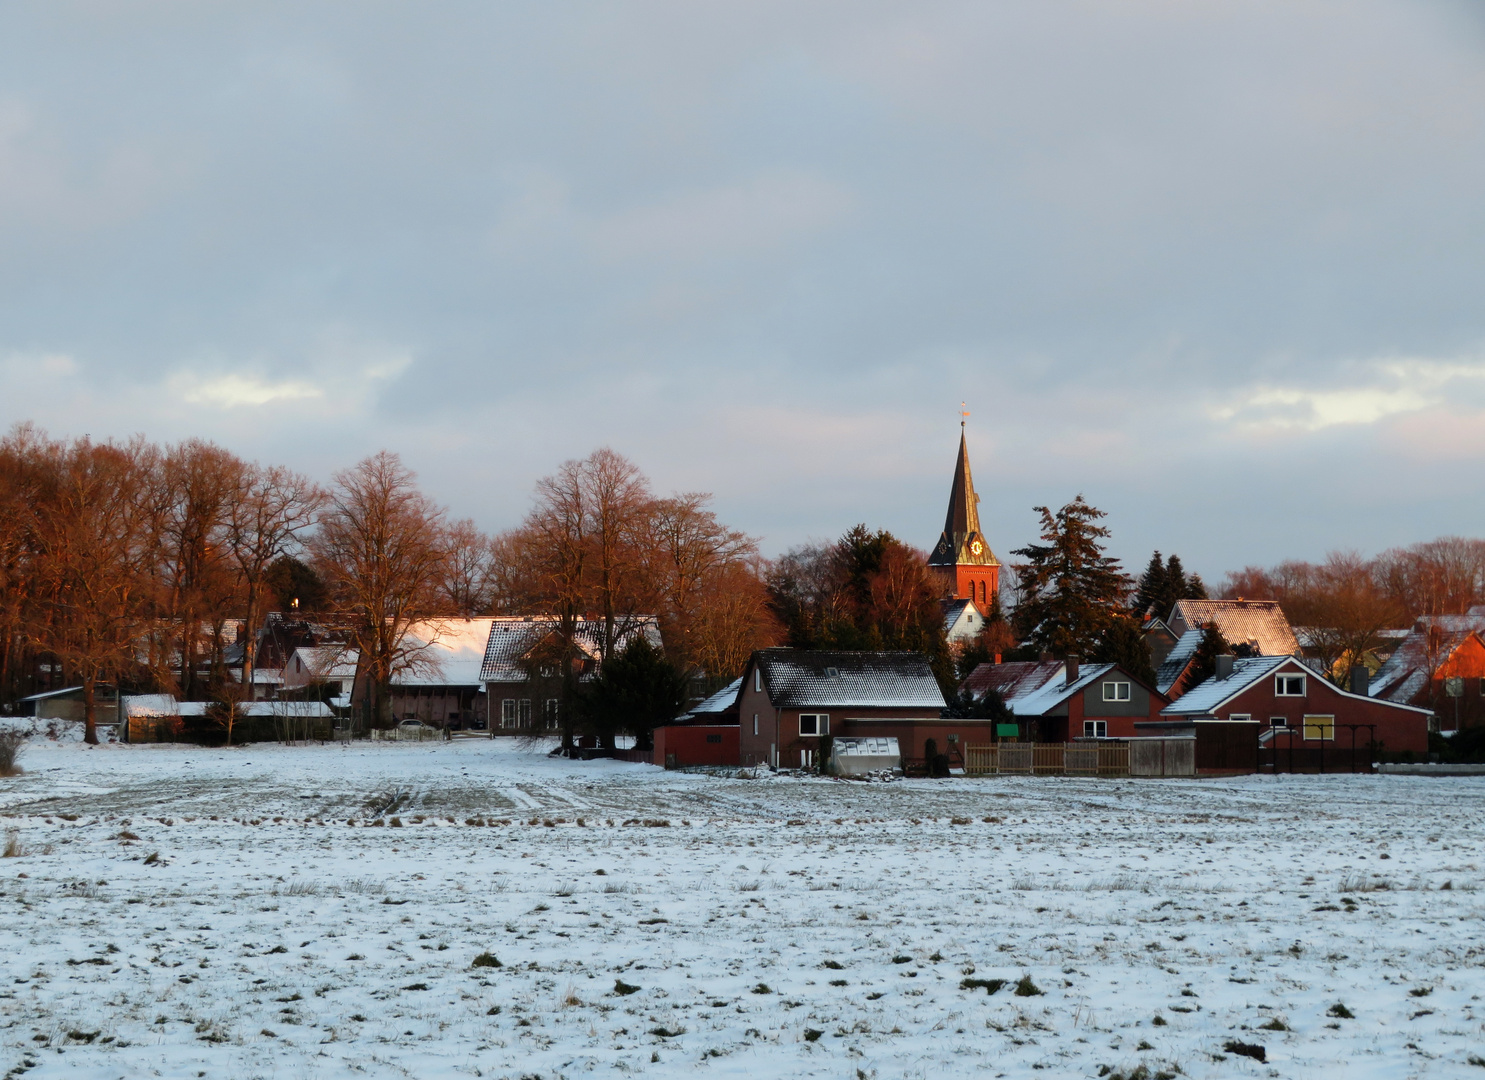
(1361, 680)
(1072, 669)
(1224, 666)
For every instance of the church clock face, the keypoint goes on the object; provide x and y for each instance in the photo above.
(976, 547)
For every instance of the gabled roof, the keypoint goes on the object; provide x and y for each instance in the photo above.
(1051, 694)
(513, 637)
(1013, 680)
(1259, 624)
(321, 662)
(802, 678)
(962, 619)
(1209, 696)
(1430, 643)
(1177, 660)
(444, 652)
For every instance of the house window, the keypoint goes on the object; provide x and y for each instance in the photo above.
(1320, 727)
(1096, 729)
(1278, 722)
(755, 723)
(525, 712)
(814, 724)
(714, 738)
(758, 680)
(549, 713)
(1240, 717)
(508, 712)
(1116, 691)
(1289, 686)
(832, 673)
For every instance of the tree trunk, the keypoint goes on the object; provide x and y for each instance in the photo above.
(90, 725)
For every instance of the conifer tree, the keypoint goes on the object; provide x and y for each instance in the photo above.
(1071, 592)
(1152, 590)
(1204, 662)
(1124, 644)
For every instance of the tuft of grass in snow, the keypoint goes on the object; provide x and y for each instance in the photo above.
(1249, 1050)
(624, 989)
(10, 752)
(1026, 988)
(991, 986)
(1273, 1024)
(486, 959)
(1340, 1012)
(14, 849)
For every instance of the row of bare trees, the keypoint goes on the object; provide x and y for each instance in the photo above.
(136, 564)
(1345, 602)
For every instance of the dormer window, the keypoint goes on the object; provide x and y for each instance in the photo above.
(832, 673)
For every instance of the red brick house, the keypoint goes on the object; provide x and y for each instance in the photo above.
(1057, 701)
(793, 698)
(1284, 698)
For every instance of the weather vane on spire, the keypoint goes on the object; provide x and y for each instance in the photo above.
(963, 413)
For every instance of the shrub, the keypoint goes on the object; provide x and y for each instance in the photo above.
(1251, 1050)
(10, 752)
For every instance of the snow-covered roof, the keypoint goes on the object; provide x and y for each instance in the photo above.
(1206, 698)
(1016, 679)
(268, 676)
(1177, 660)
(1431, 641)
(309, 663)
(804, 678)
(444, 652)
(45, 694)
(962, 619)
(1052, 694)
(1259, 624)
(719, 702)
(513, 637)
(150, 705)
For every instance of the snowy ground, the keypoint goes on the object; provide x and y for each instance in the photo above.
(256, 913)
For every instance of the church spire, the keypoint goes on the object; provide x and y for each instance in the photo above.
(962, 542)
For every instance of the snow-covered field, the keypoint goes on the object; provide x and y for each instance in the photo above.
(259, 913)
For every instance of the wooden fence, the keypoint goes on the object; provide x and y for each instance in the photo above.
(1138, 757)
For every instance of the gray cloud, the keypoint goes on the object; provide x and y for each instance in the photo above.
(1217, 266)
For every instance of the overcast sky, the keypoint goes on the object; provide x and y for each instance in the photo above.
(1218, 266)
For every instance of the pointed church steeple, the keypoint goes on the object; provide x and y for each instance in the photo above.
(964, 560)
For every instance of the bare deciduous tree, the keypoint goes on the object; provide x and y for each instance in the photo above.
(380, 548)
(269, 511)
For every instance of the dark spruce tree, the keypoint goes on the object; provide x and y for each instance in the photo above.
(1123, 643)
(1071, 592)
(1162, 585)
(636, 691)
(1204, 662)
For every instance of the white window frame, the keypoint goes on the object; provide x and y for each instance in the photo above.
(508, 712)
(1240, 717)
(755, 723)
(758, 680)
(551, 713)
(1116, 688)
(1282, 681)
(821, 725)
(523, 716)
(1096, 729)
(1280, 723)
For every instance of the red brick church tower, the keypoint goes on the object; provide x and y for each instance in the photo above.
(962, 559)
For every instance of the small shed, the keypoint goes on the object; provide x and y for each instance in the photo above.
(859, 756)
